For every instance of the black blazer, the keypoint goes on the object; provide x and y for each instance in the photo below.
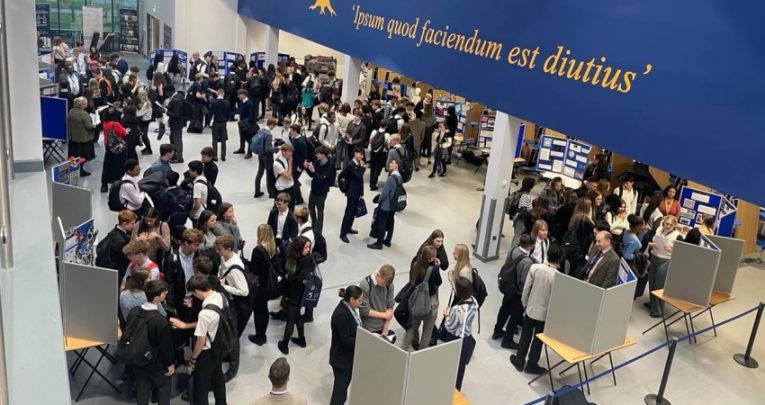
(290, 230)
(355, 175)
(343, 344)
(295, 286)
(176, 279)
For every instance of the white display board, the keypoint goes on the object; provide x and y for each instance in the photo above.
(92, 21)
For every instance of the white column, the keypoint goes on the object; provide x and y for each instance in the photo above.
(351, 72)
(497, 185)
(272, 46)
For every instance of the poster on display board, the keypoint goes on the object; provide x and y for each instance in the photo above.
(567, 157)
(78, 243)
(167, 37)
(42, 16)
(67, 173)
(128, 30)
(167, 54)
(695, 204)
(441, 106)
(92, 22)
(625, 274)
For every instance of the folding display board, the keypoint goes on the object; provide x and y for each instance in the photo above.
(440, 108)
(730, 256)
(66, 173)
(589, 318)
(78, 243)
(423, 377)
(72, 204)
(54, 112)
(167, 54)
(567, 157)
(692, 272)
(695, 204)
(89, 302)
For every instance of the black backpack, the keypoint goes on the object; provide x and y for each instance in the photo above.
(243, 303)
(399, 197)
(214, 199)
(319, 245)
(113, 198)
(507, 278)
(479, 288)
(134, 348)
(175, 206)
(391, 126)
(515, 202)
(406, 168)
(276, 281)
(226, 337)
(104, 253)
(342, 181)
(316, 134)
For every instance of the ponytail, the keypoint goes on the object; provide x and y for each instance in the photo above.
(352, 291)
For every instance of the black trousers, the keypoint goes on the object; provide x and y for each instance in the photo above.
(260, 315)
(385, 221)
(145, 135)
(297, 195)
(219, 134)
(209, 374)
(530, 329)
(309, 113)
(340, 387)
(351, 205)
(176, 139)
(316, 209)
(376, 164)
(244, 142)
(468, 344)
(148, 380)
(266, 164)
(293, 319)
(259, 107)
(516, 317)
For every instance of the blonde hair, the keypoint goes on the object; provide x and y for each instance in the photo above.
(80, 102)
(395, 138)
(538, 225)
(387, 272)
(463, 260)
(583, 210)
(266, 239)
(143, 96)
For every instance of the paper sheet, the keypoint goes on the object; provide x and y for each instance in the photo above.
(569, 172)
(556, 154)
(660, 241)
(702, 198)
(574, 147)
(571, 163)
(557, 166)
(545, 167)
(690, 204)
(705, 209)
(544, 154)
(581, 158)
(95, 118)
(559, 142)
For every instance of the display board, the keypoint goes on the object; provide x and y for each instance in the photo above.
(440, 107)
(377, 363)
(259, 58)
(74, 205)
(625, 273)
(226, 61)
(567, 157)
(167, 54)
(692, 272)
(167, 37)
(92, 22)
(89, 302)
(54, 114)
(731, 251)
(129, 30)
(66, 173)
(432, 374)
(42, 17)
(78, 243)
(695, 204)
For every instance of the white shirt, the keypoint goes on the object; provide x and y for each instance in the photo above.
(537, 290)
(200, 192)
(308, 234)
(280, 166)
(281, 218)
(130, 194)
(187, 263)
(236, 283)
(630, 199)
(207, 323)
(328, 133)
(541, 247)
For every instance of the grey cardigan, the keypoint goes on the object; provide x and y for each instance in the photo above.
(379, 298)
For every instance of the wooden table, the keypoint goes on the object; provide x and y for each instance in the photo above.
(80, 348)
(576, 357)
(684, 308)
(716, 299)
(459, 399)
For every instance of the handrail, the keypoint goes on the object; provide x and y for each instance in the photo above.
(6, 161)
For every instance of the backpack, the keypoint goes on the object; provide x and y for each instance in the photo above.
(312, 289)
(258, 143)
(276, 280)
(175, 206)
(214, 199)
(419, 298)
(103, 253)
(406, 166)
(109, 88)
(187, 110)
(387, 109)
(114, 143)
(317, 133)
(134, 348)
(399, 197)
(243, 303)
(342, 181)
(226, 338)
(113, 198)
(319, 245)
(392, 126)
(514, 205)
(507, 278)
(479, 288)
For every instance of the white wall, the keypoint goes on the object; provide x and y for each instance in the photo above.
(22, 71)
(164, 11)
(209, 25)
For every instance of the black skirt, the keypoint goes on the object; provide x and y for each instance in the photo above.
(84, 150)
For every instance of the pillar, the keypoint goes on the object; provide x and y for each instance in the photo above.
(496, 187)
(272, 46)
(351, 72)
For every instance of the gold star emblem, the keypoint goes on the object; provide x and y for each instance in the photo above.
(323, 6)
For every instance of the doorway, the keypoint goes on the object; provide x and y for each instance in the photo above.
(152, 33)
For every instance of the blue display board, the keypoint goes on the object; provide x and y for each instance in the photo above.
(695, 204)
(42, 16)
(260, 59)
(67, 173)
(54, 113)
(608, 72)
(567, 157)
(625, 274)
(167, 54)
(519, 143)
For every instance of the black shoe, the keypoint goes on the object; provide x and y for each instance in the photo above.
(353, 232)
(229, 375)
(223, 158)
(442, 175)
(386, 244)
(239, 152)
(306, 319)
(258, 194)
(498, 334)
(655, 315)
(176, 161)
(344, 239)
(647, 305)
(534, 369)
(416, 169)
(299, 341)
(508, 343)
(83, 173)
(279, 316)
(431, 175)
(374, 246)
(185, 396)
(416, 346)
(260, 341)
(375, 188)
(248, 156)
(104, 189)
(517, 363)
(283, 347)
(146, 152)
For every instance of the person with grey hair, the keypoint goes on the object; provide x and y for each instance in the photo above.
(81, 128)
(279, 374)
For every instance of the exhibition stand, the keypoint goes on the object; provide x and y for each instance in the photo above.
(226, 61)
(168, 54)
(695, 204)
(564, 158)
(54, 112)
(423, 377)
(260, 59)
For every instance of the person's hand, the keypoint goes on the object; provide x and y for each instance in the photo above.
(222, 280)
(446, 311)
(668, 248)
(187, 302)
(177, 323)
(388, 315)
(437, 262)
(127, 130)
(155, 235)
(652, 245)
(170, 371)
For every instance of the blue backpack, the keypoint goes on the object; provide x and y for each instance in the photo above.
(258, 143)
(312, 291)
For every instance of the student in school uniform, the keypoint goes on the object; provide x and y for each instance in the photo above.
(206, 366)
(221, 111)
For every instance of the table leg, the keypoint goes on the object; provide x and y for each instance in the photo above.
(579, 371)
(660, 322)
(586, 377)
(613, 372)
(94, 370)
(693, 329)
(688, 329)
(549, 369)
(78, 362)
(105, 351)
(712, 317)
(664, 321)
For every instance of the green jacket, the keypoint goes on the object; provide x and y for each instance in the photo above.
(80, 126)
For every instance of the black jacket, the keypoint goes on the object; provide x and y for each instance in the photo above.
(290, 224)
(343, 344)
(176, 281)
(295, 287)
(119, 239)
(355, 175)
(211, 172)
(160, 338)
(259, 265)
(323, 177)
(299, 154)
(175, 111)
(221, 110)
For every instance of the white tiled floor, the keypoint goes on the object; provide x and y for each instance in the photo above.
(704, 372)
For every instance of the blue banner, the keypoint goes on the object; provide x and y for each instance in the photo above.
(669, 83)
